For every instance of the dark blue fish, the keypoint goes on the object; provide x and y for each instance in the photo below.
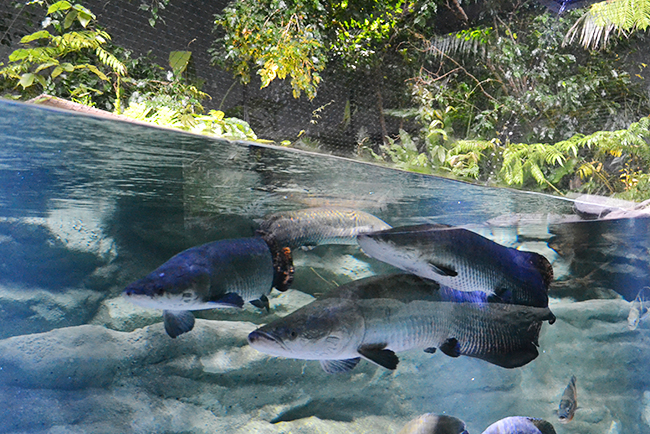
(435, 424)
(464, 261)
(520, 425)
(220, 274)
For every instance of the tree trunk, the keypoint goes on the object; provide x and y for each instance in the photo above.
(458, 12)
(244, 93)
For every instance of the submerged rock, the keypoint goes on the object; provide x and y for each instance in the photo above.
(36, 310)
(591, 206)
(91, 379)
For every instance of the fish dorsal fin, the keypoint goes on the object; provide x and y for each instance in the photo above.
(178, 322)
(430, 350)
(378, 354)
(261, 303)
(451, 347)
(230, 299)
(339, 366)
(442, 270)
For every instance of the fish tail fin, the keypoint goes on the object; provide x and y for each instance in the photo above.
(572, 381)
(282, 262)
(541, 264)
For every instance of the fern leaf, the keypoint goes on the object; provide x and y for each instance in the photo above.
(605, 18)
(537, 174)
(111, 61)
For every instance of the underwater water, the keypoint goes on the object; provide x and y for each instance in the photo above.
(89, 205)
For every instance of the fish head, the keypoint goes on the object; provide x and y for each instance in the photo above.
(566, 411)
(170, 287)
(323, 330)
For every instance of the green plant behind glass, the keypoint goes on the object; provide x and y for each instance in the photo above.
(67, 58)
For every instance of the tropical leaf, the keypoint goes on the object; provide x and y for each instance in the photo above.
(464, 43)
(609, 17)
(42, 34)
(59, 6)
(111, 61)
(179, 60)
(27, 80)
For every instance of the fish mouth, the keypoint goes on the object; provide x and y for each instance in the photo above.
(262, 337)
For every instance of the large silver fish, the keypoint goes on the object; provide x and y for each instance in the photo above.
(375, 317)
(316, 226)
(464, 261)
(520, 425)
(434, 424)
(568, 402)
(220, 274)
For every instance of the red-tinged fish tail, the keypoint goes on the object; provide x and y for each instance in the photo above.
(283, 268)
(544, 267)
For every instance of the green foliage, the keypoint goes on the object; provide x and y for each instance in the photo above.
(71, 62)
(297, 39)
(517, 81)
(604, 18)
(361, 33)
(155, 7)
(213, 124)
(404, 154)
(605, 162)
(274, 38)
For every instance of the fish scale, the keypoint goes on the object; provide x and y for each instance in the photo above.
(316, 226)
(377, 316)
(464, 261)
(480, 330)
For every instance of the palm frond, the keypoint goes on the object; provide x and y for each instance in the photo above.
(605, 18)
(464, 43)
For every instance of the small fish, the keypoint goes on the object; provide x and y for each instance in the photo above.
(220, 274)
(375, 317)
(315, 226)
(569, 402)
(464, 261)
(638, 311)
(520, 425)
(435, 424)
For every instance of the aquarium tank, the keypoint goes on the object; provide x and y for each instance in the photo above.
(311, 217)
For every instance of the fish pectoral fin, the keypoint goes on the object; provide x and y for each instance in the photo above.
(178, 322)
(378, 354)
(430, 350)
(262, 303)
(442, 270)
(451, 347)
(230, 299)
(339, 366)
